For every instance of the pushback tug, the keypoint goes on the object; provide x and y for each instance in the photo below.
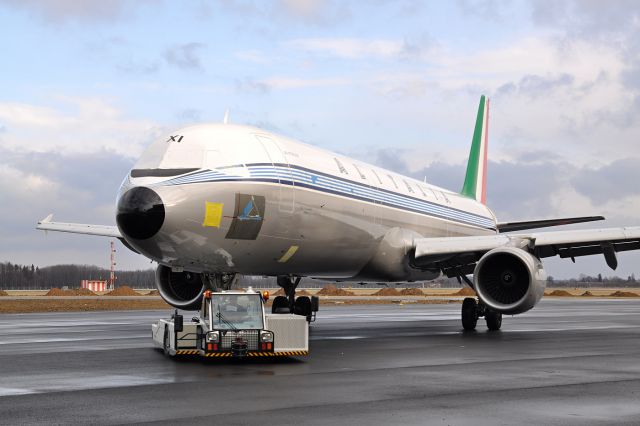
(233, 323)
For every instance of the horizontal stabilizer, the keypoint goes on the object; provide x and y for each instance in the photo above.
(534, 224)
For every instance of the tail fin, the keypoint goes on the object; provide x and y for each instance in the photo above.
(475, 181)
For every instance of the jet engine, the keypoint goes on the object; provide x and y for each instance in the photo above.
(509, 280)
(182, 290)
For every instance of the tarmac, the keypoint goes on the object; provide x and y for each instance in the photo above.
(567, 362)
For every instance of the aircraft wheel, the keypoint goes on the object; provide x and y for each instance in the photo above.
(302, 306)
(280, 305)
(494, 320)
(469, 313)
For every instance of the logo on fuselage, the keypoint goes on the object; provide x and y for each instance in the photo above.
(247, 217)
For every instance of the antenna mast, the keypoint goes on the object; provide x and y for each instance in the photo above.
(112, 274)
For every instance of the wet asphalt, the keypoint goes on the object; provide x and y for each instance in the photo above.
(568, 362)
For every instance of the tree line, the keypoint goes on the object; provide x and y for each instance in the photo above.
(30, 277)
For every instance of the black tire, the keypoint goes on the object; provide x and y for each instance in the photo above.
(469, 313)
(165, 342)
(302, 306)
(280, 305)
(494, 320)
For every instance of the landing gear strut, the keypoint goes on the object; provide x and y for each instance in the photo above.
(302, 305)
(217, 282)
(472, 310)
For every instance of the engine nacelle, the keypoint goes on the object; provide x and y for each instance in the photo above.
(182, 290)
(509, 280)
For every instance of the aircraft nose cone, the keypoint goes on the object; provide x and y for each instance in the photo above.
(140, 213)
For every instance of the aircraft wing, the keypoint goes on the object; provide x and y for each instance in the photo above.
(78, 228)
(455, 255)
(531, 224)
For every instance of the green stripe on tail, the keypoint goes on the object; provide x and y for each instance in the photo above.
(474, 181)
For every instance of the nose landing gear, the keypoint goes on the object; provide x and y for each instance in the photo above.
(472, 310)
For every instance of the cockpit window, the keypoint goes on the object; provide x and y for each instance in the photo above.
(173, 152)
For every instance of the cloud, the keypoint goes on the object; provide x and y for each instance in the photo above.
(614, 181)
(588, 19)
(76, 187)
(74, 124)
(286, 83)
(535, 185)
(492, 10)
(312, 12)
(535, 85)
(250, 85)
(64, 11)
(190, 115)
(359, 48)
(320, 13)
(184, 56)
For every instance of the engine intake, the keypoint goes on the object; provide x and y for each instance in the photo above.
(182, 290)
(509, 280)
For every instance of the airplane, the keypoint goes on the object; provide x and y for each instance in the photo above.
(210, 201)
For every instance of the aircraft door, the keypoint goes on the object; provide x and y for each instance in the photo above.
(284, 173)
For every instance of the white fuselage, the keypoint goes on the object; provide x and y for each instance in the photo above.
(240, 199)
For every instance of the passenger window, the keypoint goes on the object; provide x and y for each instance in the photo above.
(340, 166)
(377, 177)
(360, 172)
(393, 181)
(409, 188)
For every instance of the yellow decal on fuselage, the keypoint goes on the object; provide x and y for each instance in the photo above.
(292, 250)
(212, 214)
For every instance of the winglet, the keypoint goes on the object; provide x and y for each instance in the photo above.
(475, 181)
(47, 219)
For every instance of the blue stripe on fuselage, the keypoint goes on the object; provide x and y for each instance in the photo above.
(311, 179)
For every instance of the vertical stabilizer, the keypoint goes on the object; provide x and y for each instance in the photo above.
(475, 181)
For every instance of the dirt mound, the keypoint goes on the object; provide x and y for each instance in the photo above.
(465, 291)
(58, 292)
(302, 292)
(411, 292)
(83, 292)
(125, 290)
(3, 293)
(559, 293)
(332, 290)
(623, 294)
(587, 293)
(387, 291)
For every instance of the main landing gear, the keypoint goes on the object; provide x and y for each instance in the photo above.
(290, 304)
(472, 310)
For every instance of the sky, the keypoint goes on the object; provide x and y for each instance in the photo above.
(85, 85)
